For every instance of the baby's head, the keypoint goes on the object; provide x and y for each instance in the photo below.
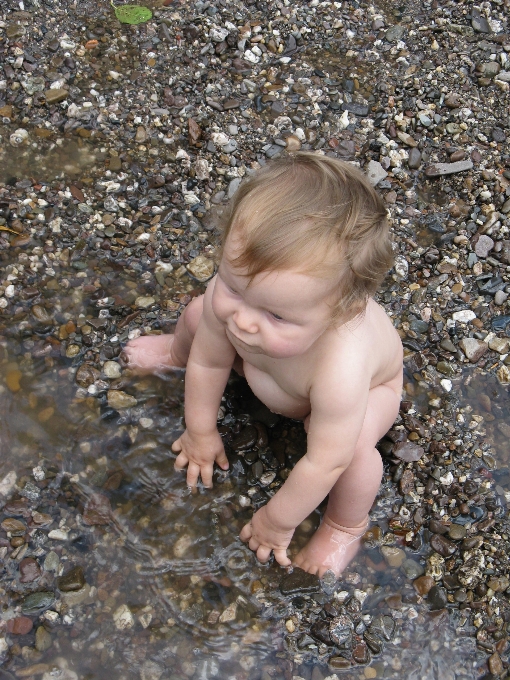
(314, 215)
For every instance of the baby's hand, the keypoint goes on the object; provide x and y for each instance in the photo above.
(199, 452)
(263, 538)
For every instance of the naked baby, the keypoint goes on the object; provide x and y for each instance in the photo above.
(305, 247)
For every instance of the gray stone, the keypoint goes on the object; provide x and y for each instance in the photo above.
(356, 109)
(394, 33)
(375, 173)
(484, 245)
(440, 169)
(473, 349)
(501, 297)
(414, 160)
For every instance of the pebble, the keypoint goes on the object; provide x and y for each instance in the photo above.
(441, 169)
(464, 316)
(123, 618)
(118, 399)
(72, 579)
(112, 370)
(473, 349)
(393, 556)
(375, 173)
(423, 584)
(483, 246)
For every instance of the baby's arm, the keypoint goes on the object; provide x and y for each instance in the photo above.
(207, 372)
(338, 404)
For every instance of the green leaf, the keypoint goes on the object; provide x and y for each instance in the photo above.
(132, 14)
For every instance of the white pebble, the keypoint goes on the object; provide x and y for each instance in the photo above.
(58, 535)
(446, 385)
(464, 316)
(123, 618)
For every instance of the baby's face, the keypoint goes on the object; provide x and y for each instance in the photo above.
(280, 314)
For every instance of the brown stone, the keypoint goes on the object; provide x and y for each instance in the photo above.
(495, 664)
(407, 482)
(423, 584)
(21, 625)
(442, 545)
(29, 570)
(97, 510)
(14, 526)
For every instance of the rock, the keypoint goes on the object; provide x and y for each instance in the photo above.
(151, 670)
(299, 581)
(36, 602)
(141, 135)
(500, 345)
(499, 583)
(143, 302)
(496, 665)
(112, 370)
(464, 316)
(412, 569)
(356, 109)
(423, 584)
(500, 298)
(73, 598)
(119, 400)
(341, 629)
(360, 653)
(375, 173)
(51, 561)
(407, 139)
(394, 33)
(43, 639)
(73, 579)
(55, 96)
(393, 556)
(320, 631)
(21, 625)
(473, 349)
(414, 159)
(406, 482)
(408, 452)
(437, 598)
(457, 532)
(479, 22)
(87, 375)
(442, 545)
(123, 618)
(440, 169)
(484, 245)
(97, 510)
(29, 570)
(14, 526)
(202, 268)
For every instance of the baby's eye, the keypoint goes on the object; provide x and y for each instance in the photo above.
(276, 316)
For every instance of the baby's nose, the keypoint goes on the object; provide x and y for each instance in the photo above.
(245, 321)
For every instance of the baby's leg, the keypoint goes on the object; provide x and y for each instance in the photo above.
(336, 541)
(160, 353)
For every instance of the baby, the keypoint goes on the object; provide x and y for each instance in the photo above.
(306, 245)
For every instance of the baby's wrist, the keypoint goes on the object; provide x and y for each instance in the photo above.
(274, 518)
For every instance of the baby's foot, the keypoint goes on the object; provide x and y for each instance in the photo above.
(150, 354)
(331, 548)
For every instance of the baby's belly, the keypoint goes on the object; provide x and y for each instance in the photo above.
(265, 388)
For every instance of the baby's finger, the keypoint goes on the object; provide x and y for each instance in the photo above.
(246, 532)
(263, 553)
(177, 446)
(280, 555)
(193, 472)
(181, 461)
(222, 461)
(253, 544)
(206, 472)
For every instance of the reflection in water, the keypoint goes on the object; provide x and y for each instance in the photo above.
(45, 155)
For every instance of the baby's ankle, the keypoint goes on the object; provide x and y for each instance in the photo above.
(353, 528)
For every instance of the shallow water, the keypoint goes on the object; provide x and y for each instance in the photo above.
(201, 603)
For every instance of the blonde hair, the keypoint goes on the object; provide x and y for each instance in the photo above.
(317, 215)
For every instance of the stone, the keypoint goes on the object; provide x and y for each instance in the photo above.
(437, 598)
(407, 139)
(21, 625)
(360, 653)
(393, 556)
(464, 316)
(73, 598)
(299, 581)
(202, 268)
(375, 173)
(36, 602)
(423, 584)
(29, 570)
(500, 297)
(473, 349)
(123, 618)
(500, 345)
(97, 510)
(55, 96)
(483, 246)
(43, 639)
(408, 452)
(499, 583)
(395, 33)
(73, 579)
(496, 665)
(141, 135)
(341, 629)
(112, 369)
(119, 400)
(355, 108)
(412, 569)
(143, 302)
(414, 159)
(457, 532)
(441, 169)
(442, 545)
